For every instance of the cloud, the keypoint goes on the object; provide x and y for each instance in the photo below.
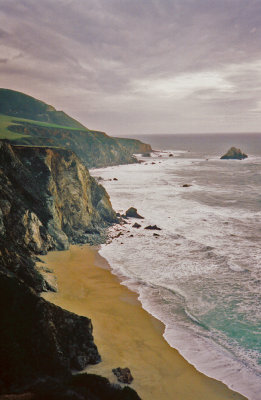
(119, 65)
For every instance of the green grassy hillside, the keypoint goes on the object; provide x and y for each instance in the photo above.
(30, 122)
(21, 105)
(9, 124)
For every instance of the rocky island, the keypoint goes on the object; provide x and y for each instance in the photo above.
(234, 154)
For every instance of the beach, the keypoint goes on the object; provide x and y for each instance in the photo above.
(126, 335)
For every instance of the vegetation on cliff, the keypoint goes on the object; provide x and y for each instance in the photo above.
(27, 121)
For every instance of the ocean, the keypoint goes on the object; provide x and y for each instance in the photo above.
(202, 275)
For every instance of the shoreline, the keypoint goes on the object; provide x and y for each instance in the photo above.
(126, 334)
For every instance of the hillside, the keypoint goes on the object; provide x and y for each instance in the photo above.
(20, 105)
(27, 121)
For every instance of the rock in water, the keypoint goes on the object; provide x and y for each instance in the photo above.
(123, 375)
(234, 154)
(136, 225)
(153, 228)
(132, 213)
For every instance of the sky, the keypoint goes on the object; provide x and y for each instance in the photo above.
(130, 67)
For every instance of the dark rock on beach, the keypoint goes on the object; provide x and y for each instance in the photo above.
(234, 154)
(123, 375)
(132, 213)
(186, 185)
(38, 338)
(136, 225)
(153, 227)
(77, 387)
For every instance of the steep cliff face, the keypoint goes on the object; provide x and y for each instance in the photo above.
(134, 146)
(47, 200)
(39, 339)
(95, 149)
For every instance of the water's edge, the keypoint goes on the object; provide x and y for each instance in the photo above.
(209, 356)
(145, 305)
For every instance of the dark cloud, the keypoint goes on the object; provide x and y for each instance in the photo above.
(125, 65)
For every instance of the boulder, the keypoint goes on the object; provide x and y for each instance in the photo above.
(132, 213)
(186, 185)
(234, 154)
(136, 225)
(123, 375)
(153, 228)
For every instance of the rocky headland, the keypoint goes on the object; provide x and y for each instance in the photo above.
(25, 120)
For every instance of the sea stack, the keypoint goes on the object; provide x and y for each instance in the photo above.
(234, 154)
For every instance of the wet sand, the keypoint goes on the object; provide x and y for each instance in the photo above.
(126, 335)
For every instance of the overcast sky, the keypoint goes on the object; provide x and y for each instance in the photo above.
(138, 66)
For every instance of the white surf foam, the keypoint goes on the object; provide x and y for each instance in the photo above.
(200, 243)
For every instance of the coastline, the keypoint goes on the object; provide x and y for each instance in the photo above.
(126, 334)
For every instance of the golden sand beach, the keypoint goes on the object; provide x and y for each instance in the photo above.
(126, 335)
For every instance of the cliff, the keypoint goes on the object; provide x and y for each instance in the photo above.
(39, 339)
(27, 121)
(134, 146)
(47, 200)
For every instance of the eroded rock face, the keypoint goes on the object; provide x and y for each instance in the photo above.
(234, 154)
(38, 338)
(47, 200)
